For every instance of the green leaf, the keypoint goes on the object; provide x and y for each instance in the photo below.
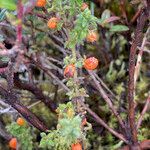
(8, 4)
(4, 59)
(119, 28)
(43, 134)
(105, 14)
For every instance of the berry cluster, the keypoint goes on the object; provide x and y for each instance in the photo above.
(13, 142)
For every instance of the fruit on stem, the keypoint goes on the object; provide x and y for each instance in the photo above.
(20, 121)
(13, 143)
(40, 3)
(84, 122)
(76, 146)
(69, 70)
(92, 36)
(91, 63)
(52, 23)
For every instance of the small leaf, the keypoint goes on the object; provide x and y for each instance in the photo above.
(111, 19)
(4, 59)
(43, 134)
(105, 14)
(119, 28)
(79, 64)
(8, 4)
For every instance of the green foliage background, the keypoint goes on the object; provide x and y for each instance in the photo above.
(111, 50)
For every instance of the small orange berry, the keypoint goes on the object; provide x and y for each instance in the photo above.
(20, 121)
(90, 63)
(40, 3)
(52, 23)
(84, 6)
(69, 70)
(76, 146)
(92, 36)
(13, 143)
(84, 122)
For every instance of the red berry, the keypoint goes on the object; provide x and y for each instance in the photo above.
(20, 121)
(40, 3)
(69, 70)
(84, 122)
(76, 146)
(13, 143)
(90, 63)
(52, 23)
(92, 36)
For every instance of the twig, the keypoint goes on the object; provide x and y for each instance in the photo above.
(101, 122)
(143, 112)
(5, 24)
(131, 86)
(145, 50)
(38, 15)
(108, 101)
(104, 85)
(37, 102)
(135, 16)
(54, 60)
(49, 73)
(139, 57)
(12, 100)
(4, 133)
(36, 91)
(29, 6)
(123, 10)
(20, 18)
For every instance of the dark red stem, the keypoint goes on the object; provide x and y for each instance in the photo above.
(20, 19)
(131, 88)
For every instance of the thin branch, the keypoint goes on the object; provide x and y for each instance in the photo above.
(108, 101)
(143, 112)
(36, 91)
(37, 102)
(49, 73)
(144, 50)
(38, 15)
(139, 57)
(134, 18)
(20, 18)
(12, 100)
(4, 133)
(131, 86)
(104, 85)
(101, 122)
(29, 6)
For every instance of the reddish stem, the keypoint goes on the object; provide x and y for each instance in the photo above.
(143, 112)
(131, 85)
(101, 122)
(20, 17)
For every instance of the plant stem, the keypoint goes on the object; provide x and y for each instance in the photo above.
(108, 101)
(101, 122)
(75, 74)
(20, 17)
(131, 84)
(143, 112)
(12, 100)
